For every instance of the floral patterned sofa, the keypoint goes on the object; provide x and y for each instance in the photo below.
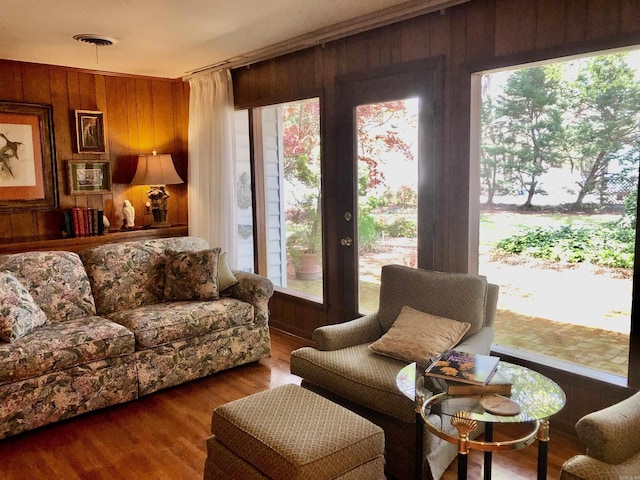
(108, 334)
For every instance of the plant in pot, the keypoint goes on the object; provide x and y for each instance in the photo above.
(301, 152)
(304, 243)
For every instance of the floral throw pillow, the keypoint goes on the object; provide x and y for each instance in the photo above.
(19, 314)
(192, 275)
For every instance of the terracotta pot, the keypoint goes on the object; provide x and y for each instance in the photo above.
(309, 268)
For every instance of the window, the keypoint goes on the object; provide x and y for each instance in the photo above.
(558, 170)
(286, 145)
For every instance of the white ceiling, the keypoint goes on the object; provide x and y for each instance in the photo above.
(170, 38)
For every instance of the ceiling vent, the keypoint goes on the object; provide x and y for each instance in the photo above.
(97, 40)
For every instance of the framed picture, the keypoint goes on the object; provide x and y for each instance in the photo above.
(90, 132)
(88, 177)
(28, 173)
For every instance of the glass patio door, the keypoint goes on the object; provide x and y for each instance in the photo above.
(386, 152)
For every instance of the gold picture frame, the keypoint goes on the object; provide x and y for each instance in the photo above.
(88, 177)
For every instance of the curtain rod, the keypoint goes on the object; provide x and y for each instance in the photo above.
(381, 18)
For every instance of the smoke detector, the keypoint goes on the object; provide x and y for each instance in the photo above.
(97, 40)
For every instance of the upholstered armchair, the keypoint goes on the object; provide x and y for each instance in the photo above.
(612, 437)
(344, 369)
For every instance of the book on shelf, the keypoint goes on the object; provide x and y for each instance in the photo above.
(463, 367)
(497, 384)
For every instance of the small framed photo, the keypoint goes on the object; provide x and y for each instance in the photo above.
(90, 131)
(87, 177)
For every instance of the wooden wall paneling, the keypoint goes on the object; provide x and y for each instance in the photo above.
(342, 56)
(181, 136)
(357, 52)
(306, 78)
(576, 26)
(629, 16)
(35, 83)
(164, 121)
(318, 67)
(283, 75)
(602, 18)
(375, 45)
(62, 130)
(549, 31)
(118, 106)
(5, 226)
(263, 81)
(440, 31)
(243, 87)
(480, 31)
(23, 225)
(414, 39)
(144, 111)
(10, 82)
(87, 83)
(514, 26)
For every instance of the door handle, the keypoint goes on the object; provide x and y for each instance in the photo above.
(346, 242)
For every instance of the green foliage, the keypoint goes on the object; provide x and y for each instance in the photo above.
(401, 227)
(367, 232)
(407, 197)
(608, 245)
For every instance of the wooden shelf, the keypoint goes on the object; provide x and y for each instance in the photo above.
(81, 243)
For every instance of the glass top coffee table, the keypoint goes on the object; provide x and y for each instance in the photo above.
(537, 396)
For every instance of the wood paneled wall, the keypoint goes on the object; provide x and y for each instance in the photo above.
(139, 113)
(476, 36)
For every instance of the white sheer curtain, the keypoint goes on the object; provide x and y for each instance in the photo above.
(212, 177)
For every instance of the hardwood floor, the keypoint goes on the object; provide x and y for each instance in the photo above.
(162, 436)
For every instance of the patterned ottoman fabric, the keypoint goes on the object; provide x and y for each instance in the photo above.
(290, 433)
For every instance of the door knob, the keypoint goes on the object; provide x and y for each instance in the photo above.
(346, 242)
(347, 216)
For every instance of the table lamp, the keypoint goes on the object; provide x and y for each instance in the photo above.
(156, 171)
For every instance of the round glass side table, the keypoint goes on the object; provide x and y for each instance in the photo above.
(538, 397)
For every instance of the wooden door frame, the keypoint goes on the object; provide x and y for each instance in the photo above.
(422, 79)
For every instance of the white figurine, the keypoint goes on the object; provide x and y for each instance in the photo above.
(129, 215)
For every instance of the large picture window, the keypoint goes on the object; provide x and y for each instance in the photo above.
(558, 171)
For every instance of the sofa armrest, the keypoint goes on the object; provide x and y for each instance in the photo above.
(611, 434)
(342, 335)
(480, 342)
(256, 290)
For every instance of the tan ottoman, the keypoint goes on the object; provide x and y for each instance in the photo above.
(290, 433)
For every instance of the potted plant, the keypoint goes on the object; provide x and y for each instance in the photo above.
(304, 244)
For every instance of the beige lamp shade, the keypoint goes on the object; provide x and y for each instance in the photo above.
(156, 170)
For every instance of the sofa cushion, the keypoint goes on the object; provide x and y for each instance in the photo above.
(191, 275)
(131, 274)
(19, 314)
(417, 336)
(63, 345)
(167, 322)
(357, 374)
(57, 281)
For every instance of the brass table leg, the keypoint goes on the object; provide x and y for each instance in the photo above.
(543, 448)
(464, 425)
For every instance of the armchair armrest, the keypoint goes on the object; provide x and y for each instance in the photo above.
(611, 434)
(480, 342)
(342, 335)
(256, 290)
